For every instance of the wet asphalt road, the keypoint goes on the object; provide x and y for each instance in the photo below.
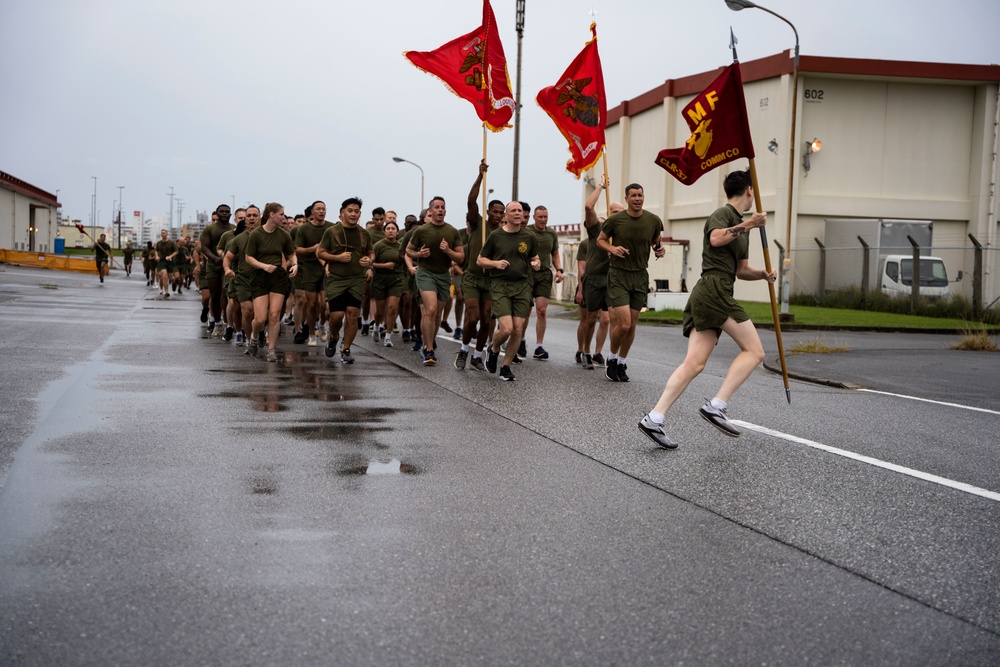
(167, 500)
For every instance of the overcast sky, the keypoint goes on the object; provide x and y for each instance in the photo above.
(295, 101)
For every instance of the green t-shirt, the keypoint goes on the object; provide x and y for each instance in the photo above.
(724, 258)
(165, 248)
(269, 248)
(238, 247)
(517, 248)
(430, 235)
(337, 239)
(388, 252)
(183, 257)
(475, 245)
(597, 259)
(636, 234)
(376, 234)
(581, 250)
(307, 235)
(224, 240)
(102, 251)
(548, 241)
(128, 253)
(212, 233)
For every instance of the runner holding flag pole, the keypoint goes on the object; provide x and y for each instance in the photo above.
(720, 133)
(83, 231)
(474, 67)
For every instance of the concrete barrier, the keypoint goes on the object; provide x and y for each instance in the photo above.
(47, 261)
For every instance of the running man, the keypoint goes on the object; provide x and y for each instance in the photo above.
(376, 230)
(541, 279)
(102, 253)
(212, 263)
(475, 280)
(240, 272)
(387, 283)
(166, 250)
(628, 236)
(346, 249)
(127, 254)
(510, 254)
(436, 245)
(595, 280)
(711, 309)
(309, 282)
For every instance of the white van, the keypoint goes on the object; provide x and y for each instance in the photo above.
(896, 276)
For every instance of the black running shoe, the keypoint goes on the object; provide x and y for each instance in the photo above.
(365, 329)
(588, 362)
(622, 376)
(228, 335)
(506, 375)
(204, 314)
(331, 348)
(300, 337)
(611, 370)
(460, 359)
(406, 335)
(211, 326)
(598, 360)
(541, 354)
(522, 350)
(491, 360)
(447, 327)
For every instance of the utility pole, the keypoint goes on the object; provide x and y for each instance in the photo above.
(171, 194)
(517, 97)
(120, 188)
(93, 206)
(180, 216)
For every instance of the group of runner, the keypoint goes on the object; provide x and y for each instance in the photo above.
(332, 280)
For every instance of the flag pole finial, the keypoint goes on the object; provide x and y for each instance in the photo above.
(732, 44)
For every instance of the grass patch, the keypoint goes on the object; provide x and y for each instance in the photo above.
(832, 318)
(976, 341)
(816, 346)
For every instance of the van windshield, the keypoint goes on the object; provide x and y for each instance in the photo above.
(932, 272)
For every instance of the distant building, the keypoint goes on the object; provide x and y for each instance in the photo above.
(29, 216)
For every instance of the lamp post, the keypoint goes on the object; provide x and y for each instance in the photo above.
(120, 188)
(171, 195)
(399, 159)
(519, 24)
(737, 5)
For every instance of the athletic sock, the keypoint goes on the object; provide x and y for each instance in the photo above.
(621, 360)
(656, 417)
(612, 357)
(465, 348)
(477, 354)
(719, 404)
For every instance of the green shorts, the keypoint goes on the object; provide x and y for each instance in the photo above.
(202, 278)
(241, 284)
(541, 284)
(229, 287)
(310, 277)
(263, 283)
(595, 292)
(511, 298)
(627, 288)
(385, 285)
(711, 303)
(165, 265)
(440, 283)
(353, 285)
(476, 286)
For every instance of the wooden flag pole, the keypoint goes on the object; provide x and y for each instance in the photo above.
(770, 285)
(607, 195)
(482, 186)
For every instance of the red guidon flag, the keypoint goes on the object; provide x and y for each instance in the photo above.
(578, 107)
(474, 68)
(720, 132)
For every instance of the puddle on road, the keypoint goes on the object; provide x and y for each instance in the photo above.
(391, 467)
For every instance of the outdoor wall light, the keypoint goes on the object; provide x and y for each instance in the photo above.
(772, 146)
(813, 146)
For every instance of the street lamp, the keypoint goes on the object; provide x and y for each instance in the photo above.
(737, 5)
(399, 159)
(120, 188)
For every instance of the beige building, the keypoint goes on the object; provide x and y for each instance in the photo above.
(900, 140)
(29, 216)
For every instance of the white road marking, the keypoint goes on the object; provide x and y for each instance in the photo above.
(927, 400)
(959, 486)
